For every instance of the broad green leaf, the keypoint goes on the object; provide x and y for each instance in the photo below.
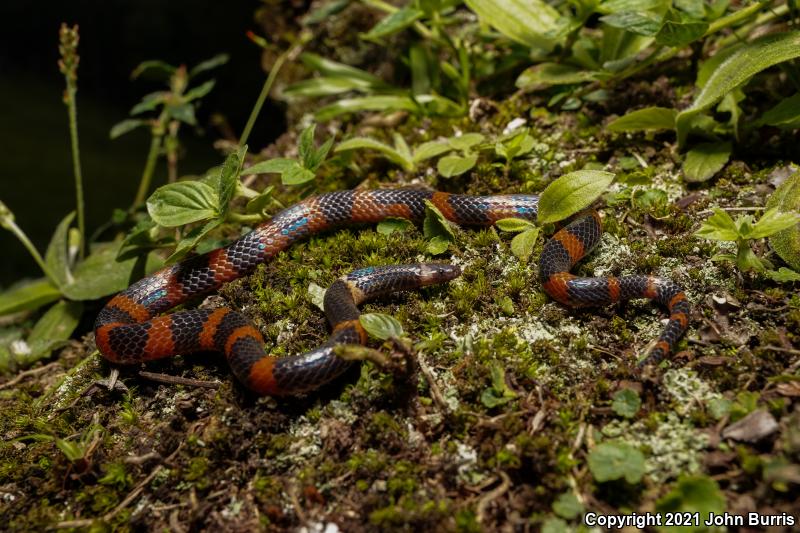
(572, 192)
(430, 150)
(384, 103)
(785, 115)
(454, 165)
(626, 403)
(58, 323)
(745, 62)
(693, 494)
(365, 142)
(178, 204)
(649, 118)
(191, 240)
(328, 67)
(209, 64)
(499, 393)
(394, 22)
(100, 274)
(515, 225)
(437, 245)
(616, 460)
(150, 102)
(523, 243)
(123, 127)
(772, 222)
(719, 227)
(783, 275)
(199, 91)
(437, 229)
(515, 146)
(183, 112)
(305, 145)
(318, 155)
(391, 225)
(161, 69)
(705, 160)
(57, 255)
(679, 30)
(229, 179)
(710, 65)
(278, 165)
(640, 22)
(28, 296)
(617, 6)
(297, 175)
(381, 326)
(465, 141)
(547, 74)
(786, 243)
(326, 86)
(568, 506)
(532, 23)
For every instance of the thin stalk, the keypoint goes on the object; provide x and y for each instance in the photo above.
(11, 226)
(149, 167)
(273, 74)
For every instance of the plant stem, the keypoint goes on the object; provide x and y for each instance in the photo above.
(273, 74)
(11, 226)
(244, 219)
(72, 111)
(149, 167)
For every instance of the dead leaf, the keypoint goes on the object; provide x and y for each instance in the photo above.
(752, 428)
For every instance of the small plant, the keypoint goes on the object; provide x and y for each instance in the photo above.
(297, 171)
(721, 227)
(172, 108)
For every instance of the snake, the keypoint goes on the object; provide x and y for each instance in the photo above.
(131, 328)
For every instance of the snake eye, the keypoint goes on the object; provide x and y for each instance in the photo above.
(439, 272)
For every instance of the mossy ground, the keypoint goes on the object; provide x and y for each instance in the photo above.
(377, 450)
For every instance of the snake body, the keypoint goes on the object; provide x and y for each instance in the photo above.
(130, 328)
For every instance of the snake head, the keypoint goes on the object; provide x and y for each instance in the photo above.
(432, 273)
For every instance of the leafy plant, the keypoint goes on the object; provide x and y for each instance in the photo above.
(301, 170)
(613, 460)
(172, 107)
(721, 227)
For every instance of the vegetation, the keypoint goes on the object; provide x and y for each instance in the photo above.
(677, 120)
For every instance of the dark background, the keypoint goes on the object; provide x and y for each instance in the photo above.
(36, 179)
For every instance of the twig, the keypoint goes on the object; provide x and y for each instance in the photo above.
(177, 380)
(492, 495)
(436, 392)
(27, 373)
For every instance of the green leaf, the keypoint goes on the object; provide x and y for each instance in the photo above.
(161, 69)
(528, 22)
(438, 245)
(297, 175)
(515, 225)
(454, 165)
(278, 165)
(199, 91)
(499, 393)
(383, 103)
(183, 112)
(785, 115)
(387, 151)
(430, 149)
(546, 74)
(516, 145)
(746, 259)
(567, 506)
(150, 102)
(771, 222)
(523, 243)
(719, 227)
(617, 6)
(626, 403)
(572, 192)
(209, 64)
(639, 22)
(123, 127)
(326, 86)
(57, 255)
(705, 160)
(679, 30)
(178, 204)
(786, 198)
(465, 141)
(693, 494)
(741, 65)
(101, 274)
(55, 326)
(390, 225)
(783, 275)
(649, 118)
(305, 146)
(229, 179)
(393, 23)
(259, 203)
(436, 224)
(317, 295)
(28, 296)
(318, 155)
(331, 68)
(381, 326)
(609, 461)
(191, 240)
